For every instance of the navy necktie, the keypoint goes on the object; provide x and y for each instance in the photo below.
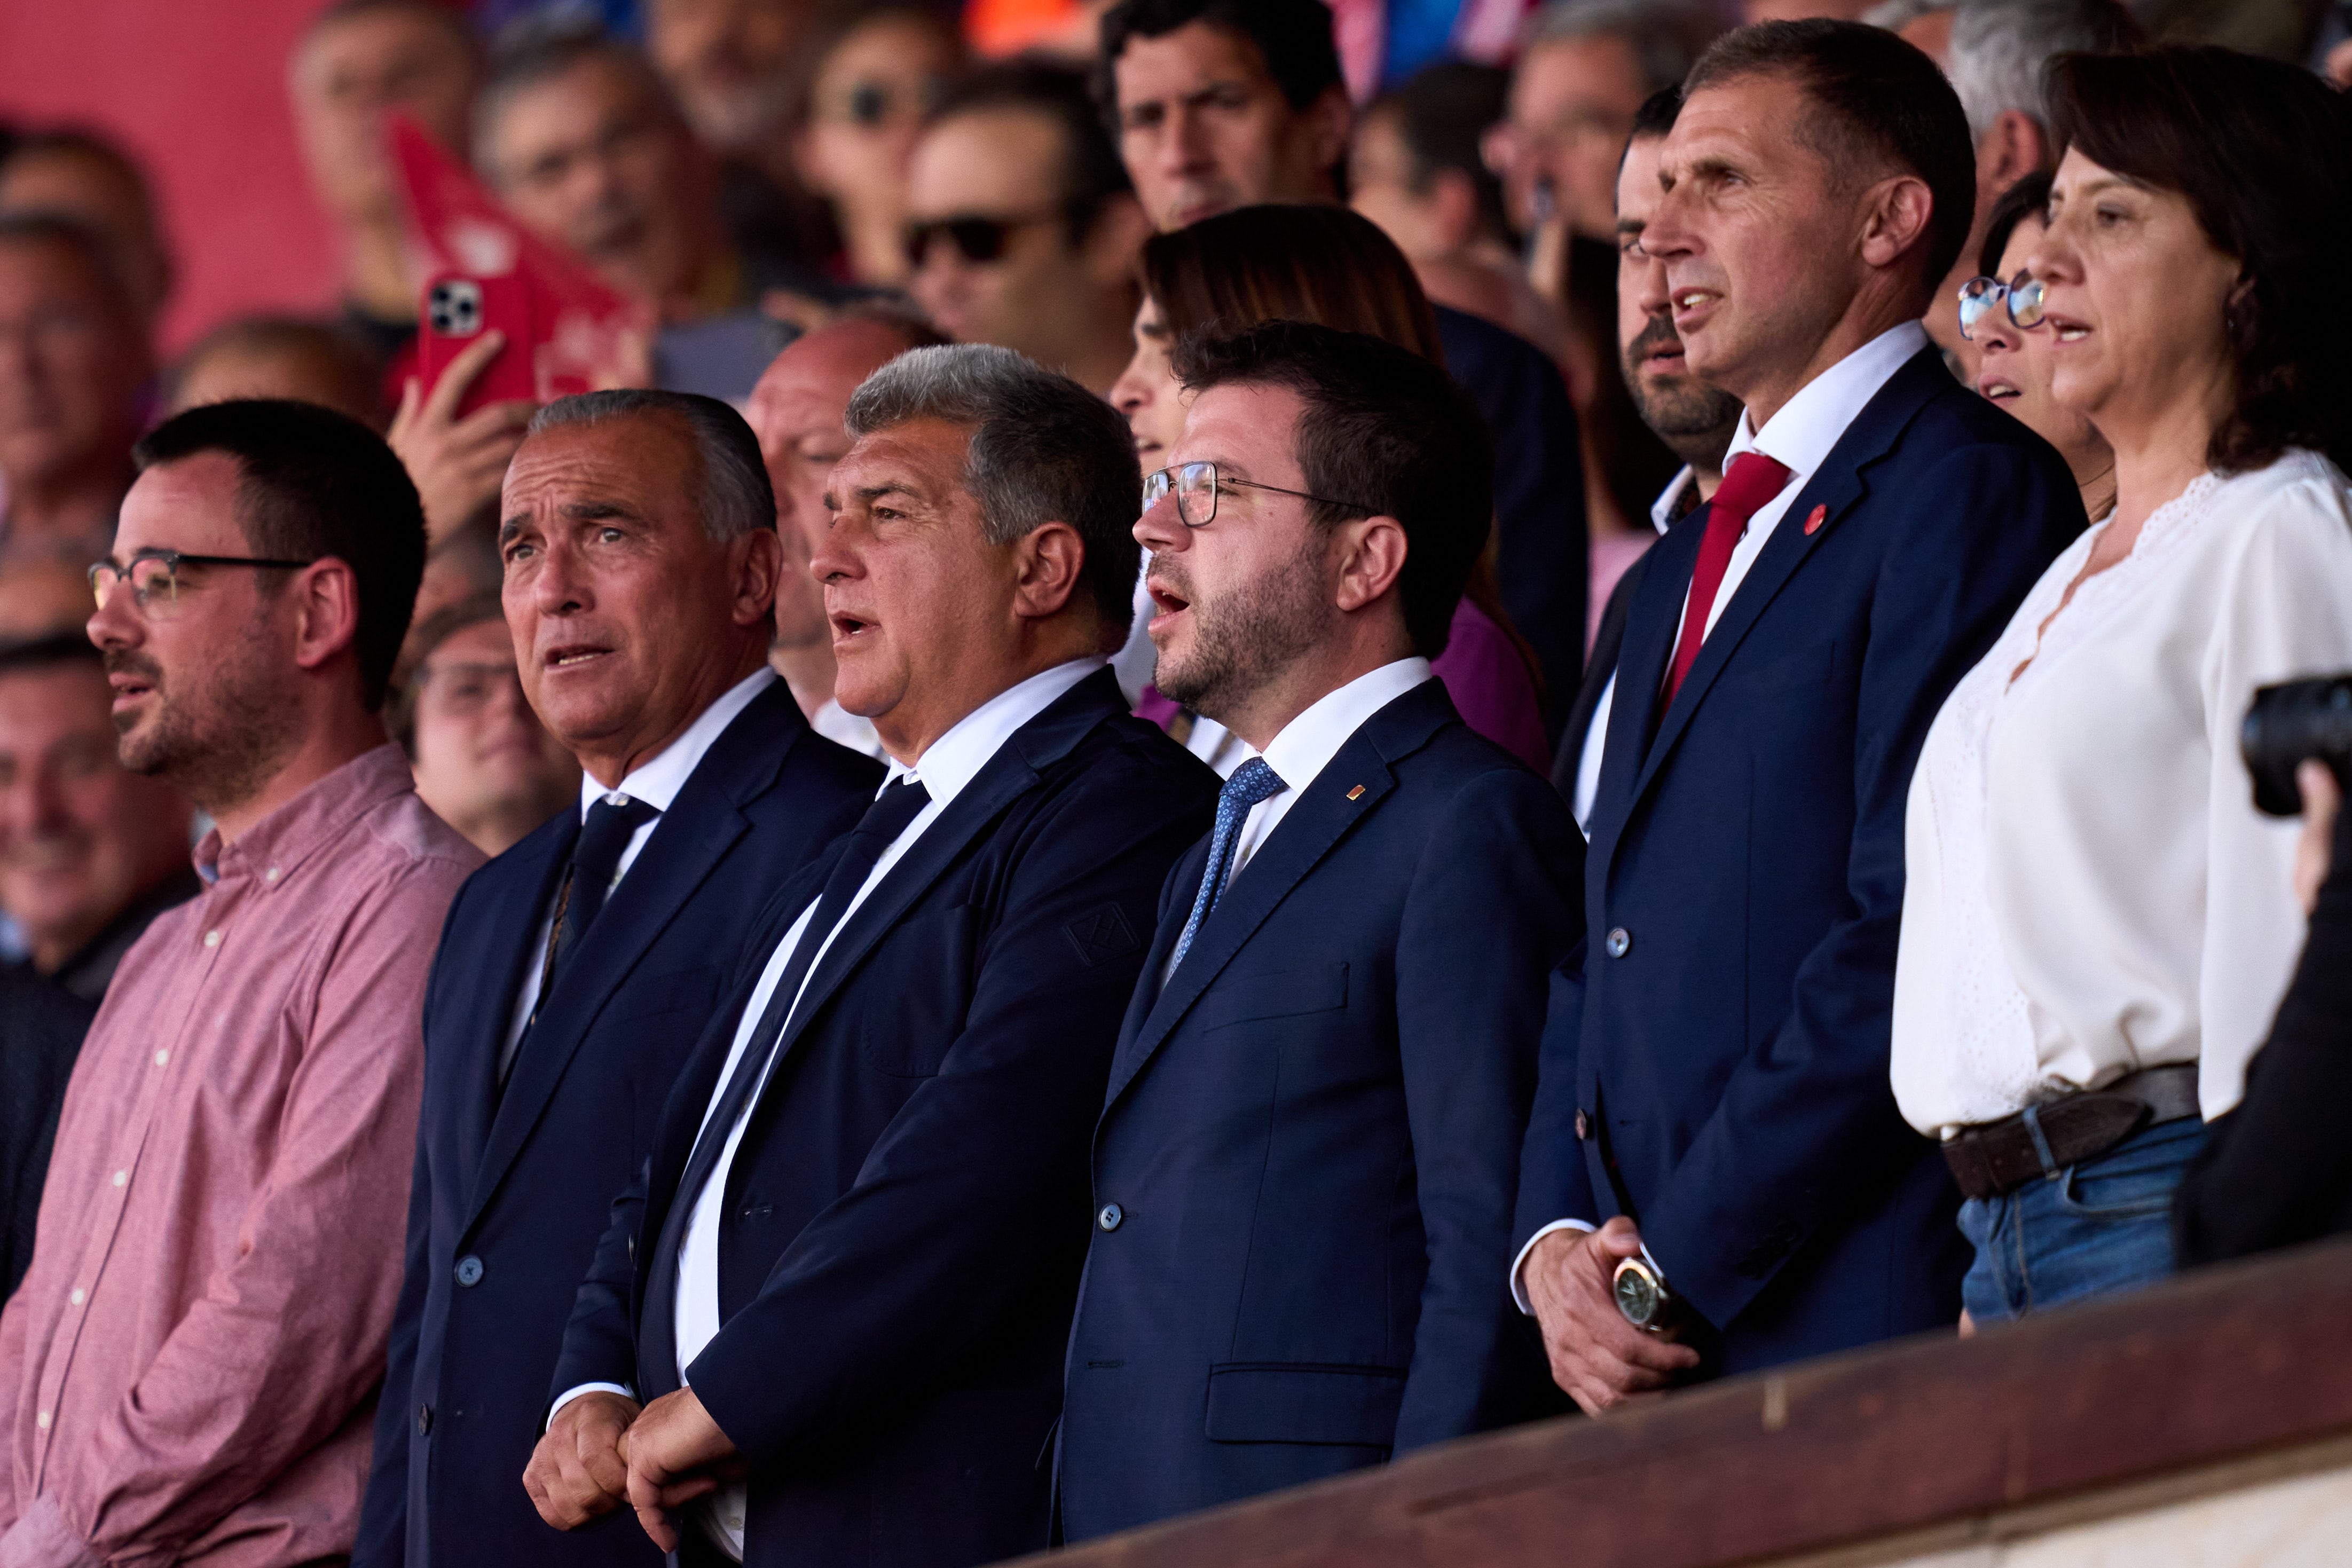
(595, 864)
(1253, 781)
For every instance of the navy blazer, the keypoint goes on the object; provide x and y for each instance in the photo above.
(1716, 1063)
(1304, 1168)
(907, 1214)
(512, 1192)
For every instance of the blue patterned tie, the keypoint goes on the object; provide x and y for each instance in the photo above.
(1253, 781)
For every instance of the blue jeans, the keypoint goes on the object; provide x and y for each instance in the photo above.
(2095, 1227)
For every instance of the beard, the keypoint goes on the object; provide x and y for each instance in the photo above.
(1693, 419)
(1242, 641)
(218, 742)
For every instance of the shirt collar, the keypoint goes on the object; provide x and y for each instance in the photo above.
(1668, 507)
(1306, 745)
(283, 839)
(955, 758)
(656, 780)
(1801, 436)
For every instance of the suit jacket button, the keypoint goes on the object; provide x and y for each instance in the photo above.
(1619, 942)
(470, 1269)
(1583, 1128)
(1111, 1216)
(424, 1419)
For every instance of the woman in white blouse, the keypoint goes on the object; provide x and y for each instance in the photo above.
(2098, 923)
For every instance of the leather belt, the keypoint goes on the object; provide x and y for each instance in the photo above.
(1997, 1157)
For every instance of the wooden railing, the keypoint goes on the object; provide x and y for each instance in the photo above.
(2217, 1368)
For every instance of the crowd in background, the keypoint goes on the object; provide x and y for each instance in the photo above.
(685, 950)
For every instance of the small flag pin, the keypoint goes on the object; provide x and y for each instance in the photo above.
(1357, 793)
(1814, 519)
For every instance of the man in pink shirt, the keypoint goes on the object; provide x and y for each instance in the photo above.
(188, 1373)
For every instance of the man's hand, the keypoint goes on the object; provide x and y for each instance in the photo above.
(1598, 1358)
(456, 464)
(676, 1453)
(576, 1473)
(2321, 800)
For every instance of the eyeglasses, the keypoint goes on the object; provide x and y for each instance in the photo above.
(155, 576)
(461, 691)
(977, 238)
(2024, 294)
(1196, 484)
(869, 104)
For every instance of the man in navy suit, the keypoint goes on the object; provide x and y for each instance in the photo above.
(843, 1288)
(1304, 1172)
(576, 968)
(1715, 1091)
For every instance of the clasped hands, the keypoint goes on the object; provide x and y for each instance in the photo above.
(1598, 1358)
(602, 1450)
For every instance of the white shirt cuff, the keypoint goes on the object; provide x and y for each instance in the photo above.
(1518, 1289)
(622, 1389)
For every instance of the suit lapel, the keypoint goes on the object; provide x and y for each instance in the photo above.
(510, 923)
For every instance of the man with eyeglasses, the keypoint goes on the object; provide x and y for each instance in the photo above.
(1305, 1166)
(1022, 231)
(483, 761)
(189, 1365)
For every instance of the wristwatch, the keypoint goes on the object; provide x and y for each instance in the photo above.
(1640, 1287)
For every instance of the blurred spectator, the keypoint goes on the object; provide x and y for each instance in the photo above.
(2014, 365)
(89, 853)
(74, 362)
(360, 60)
(41, 1029)
(874, 83)
(2085, 970)
(189, 1367)
(457, 461)
(282, 356)
(482, 759)
(1998, 53)
(1021, 228)
(460, 564)
(1225, 103)
(1332, 267)
(1924, 25)
(796, 411)
(42, 592)
(83, 175)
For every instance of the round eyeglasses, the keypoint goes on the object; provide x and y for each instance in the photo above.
(153, 576)
(1195, 485)
(2024, 294)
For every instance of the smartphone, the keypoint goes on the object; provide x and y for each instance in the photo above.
(457, 309)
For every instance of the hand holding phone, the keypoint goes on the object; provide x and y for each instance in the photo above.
(457, 461)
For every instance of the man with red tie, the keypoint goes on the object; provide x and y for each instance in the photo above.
(1716, 1178)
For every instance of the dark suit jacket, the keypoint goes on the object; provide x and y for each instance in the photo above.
(1542, 562)
(907, 1213)
(1599, 668)
(41, 1029)
(1304, 1174)
(1727, 1052)
(520, 1185)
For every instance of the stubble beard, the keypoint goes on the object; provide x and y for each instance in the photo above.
(219, 744)
(1243, 640)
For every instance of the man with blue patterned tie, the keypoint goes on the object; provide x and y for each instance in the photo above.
(1306, 1160)
(843, 1287)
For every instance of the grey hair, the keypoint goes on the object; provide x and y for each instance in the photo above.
(1042, 450)
(2001, 51)
(1668, 37)
(1893, 16)
(734, 496)
(540, 47)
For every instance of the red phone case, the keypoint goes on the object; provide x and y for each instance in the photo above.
(456, 309)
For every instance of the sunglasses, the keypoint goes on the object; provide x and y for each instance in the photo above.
(976, 238)
(2024, 294)
(1195, 486)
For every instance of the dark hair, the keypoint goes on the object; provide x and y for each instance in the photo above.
(736, 494)
(1384, 428)
(1293, 36)
(431, 633)
(1310, 263)
(539, 49)
(1657, 114)
(350, 364)
(1091, 171)
(92, 250)
(1665, 36)
(1440, 115)
(2026, 199)
(2262, 151)
(1877, 101)
(49, 651)
(450, 19)
(1042, 450)
(316, 484)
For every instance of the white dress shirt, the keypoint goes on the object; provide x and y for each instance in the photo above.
(656, 782)
(1662, 513)
(2089, 888)
(1800, 438)
(945, 769)
(837, 724)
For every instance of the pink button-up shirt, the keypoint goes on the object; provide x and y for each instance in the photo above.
(188, 1372)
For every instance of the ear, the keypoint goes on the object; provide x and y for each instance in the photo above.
(754, 561)
(1330, 119)
(1896, 214)
(1115, 242)
(1370, 552)
(2015, 147)
(1047, 563)
(326, 599)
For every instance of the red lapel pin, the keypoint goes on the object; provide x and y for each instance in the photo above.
(1814, 519)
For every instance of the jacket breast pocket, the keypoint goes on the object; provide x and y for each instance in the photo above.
(1798, 671)
(1274, 1402)
(915, 988)
(1274, 994)
(642, 996)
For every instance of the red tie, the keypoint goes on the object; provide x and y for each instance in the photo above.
(1752, 480)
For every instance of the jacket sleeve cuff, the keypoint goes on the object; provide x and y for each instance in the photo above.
(41, 1539)
(1519, 1263)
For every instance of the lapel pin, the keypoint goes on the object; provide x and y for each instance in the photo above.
(1357, 793)
(1814, 520)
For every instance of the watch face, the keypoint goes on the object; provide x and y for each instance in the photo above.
(1637, 1294)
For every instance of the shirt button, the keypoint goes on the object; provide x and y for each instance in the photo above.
(272, 874)
(212, 939)
(122, 1178)
(1111, 1216)
(1583, 1128)
(424, 1420)
(42, 1420)
(1619, 942)
(78, 1296)
(162, 1057)
(470, 1269)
